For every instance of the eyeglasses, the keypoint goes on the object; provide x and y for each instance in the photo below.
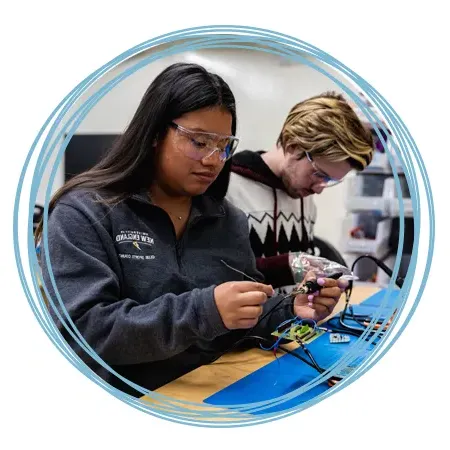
(200, 144)
(326, 180)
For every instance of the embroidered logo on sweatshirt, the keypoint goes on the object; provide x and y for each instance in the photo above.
(135, 240)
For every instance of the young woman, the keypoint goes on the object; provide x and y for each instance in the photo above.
(142, 244)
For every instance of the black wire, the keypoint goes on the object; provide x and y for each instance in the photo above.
(271, 310)
(359, 316)
(246, 335)
(352, 331)
(286, 350)
(335, 329)
(310, 356)
(398, 281)
(351, 315)
(348, 294)
(363, 324)
(312, 364)
(344, 328)
(349, 328)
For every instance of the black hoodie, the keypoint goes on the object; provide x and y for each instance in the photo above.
(278, 223)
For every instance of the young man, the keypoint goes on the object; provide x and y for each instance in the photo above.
(321, 141)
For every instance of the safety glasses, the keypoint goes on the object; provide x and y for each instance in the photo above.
(200, 144)
(325, 180)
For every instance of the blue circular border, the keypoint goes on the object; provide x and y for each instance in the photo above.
(288, 48)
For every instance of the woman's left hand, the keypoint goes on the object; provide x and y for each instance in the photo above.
(321, 304)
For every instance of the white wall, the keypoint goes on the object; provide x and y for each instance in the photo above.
(265, 86)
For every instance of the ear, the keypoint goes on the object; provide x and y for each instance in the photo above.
(294, 153)
(155, 143)
(290, 149)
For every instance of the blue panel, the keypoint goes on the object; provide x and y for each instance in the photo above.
(288, 373)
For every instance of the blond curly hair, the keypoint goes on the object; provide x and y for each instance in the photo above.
(327, 126)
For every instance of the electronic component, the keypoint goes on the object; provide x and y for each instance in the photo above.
(299, 333)
(337, 338)
(313, 286)
(285, 325)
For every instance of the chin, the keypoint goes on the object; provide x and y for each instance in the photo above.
(194, 191)
(295, 195)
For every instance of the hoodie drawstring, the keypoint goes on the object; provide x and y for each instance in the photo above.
(275, 212)
(306, 242)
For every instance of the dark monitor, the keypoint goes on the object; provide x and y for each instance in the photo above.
(408, 235)
(84, 151)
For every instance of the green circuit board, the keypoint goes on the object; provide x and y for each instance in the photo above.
(304, 333)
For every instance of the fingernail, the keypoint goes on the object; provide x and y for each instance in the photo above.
(321, 281)
(342, 284)
(310, 305)
(310, 297)
(316, 293)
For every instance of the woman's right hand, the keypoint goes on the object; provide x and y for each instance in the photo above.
(240, 303)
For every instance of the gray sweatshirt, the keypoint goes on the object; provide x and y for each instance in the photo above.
(143, 300)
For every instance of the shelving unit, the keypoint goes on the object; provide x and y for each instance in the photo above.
(372, 211)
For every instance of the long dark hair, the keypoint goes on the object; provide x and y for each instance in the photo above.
(130, 164)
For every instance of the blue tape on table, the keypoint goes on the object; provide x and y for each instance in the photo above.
(288, 373)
